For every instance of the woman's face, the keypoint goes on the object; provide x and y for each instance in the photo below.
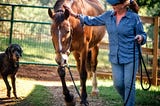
(118, 7)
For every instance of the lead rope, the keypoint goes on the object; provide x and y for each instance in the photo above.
(132, 74)
(75, 84)
(141, 59)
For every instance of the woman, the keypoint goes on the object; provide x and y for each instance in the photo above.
(123, 26)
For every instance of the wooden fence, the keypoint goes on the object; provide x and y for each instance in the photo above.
(155, 51)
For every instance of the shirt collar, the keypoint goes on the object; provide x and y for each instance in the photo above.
(128, 14)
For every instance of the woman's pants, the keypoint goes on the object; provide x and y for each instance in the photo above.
(122, 78)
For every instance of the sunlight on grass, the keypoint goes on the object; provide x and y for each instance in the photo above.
(152, 88)
(101, 82)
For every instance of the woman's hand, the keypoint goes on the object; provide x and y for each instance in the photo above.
(139, 39)
(70, 11)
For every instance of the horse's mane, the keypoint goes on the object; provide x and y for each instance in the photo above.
(59, 4)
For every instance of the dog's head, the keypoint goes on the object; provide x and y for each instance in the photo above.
(14, 52)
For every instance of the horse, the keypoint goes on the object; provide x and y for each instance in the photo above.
(69, 36)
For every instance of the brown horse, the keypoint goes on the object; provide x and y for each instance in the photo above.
(68, 35)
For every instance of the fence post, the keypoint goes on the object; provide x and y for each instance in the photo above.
(155, 52)
(11, 24)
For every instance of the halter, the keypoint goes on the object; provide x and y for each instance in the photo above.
(60, 43)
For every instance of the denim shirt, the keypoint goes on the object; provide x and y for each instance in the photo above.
(121, 36)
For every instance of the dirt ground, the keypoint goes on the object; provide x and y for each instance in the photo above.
(44, 73)
(49, 74)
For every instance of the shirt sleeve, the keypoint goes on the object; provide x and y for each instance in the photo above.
(140, 30)
(93, 20)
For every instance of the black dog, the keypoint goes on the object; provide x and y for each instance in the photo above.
(9, 64)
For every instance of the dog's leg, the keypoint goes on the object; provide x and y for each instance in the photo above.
(13, 79)
(7, 85)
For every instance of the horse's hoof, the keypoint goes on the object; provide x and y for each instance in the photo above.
(70, 100)
(84, 103)
(95, 93)
(72, 103)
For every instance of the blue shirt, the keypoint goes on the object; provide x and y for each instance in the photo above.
(121, 36)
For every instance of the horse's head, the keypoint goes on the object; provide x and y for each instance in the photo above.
(61, 32)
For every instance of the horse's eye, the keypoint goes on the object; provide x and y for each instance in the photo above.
(67, 31)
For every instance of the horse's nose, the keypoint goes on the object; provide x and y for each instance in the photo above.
(61, 59)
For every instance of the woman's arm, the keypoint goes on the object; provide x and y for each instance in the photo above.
(88, 20)
(141, 36)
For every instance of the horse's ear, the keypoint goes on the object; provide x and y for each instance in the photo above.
(50, 13)
(66, 13)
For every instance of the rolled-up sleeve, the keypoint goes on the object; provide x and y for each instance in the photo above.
(92, 21)
(140, 30)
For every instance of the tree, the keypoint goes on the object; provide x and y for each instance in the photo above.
(153, 6)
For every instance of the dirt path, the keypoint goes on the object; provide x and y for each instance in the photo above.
(57, 93)
(44, 74)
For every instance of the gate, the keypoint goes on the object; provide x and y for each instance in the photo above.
(34, 35)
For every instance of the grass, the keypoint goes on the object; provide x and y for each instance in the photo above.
(143, 98)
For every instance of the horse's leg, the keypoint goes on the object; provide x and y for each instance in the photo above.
(83, 75)
(69, 98)
(81, 66)
(77, 58)
(94, 54)
(89, 65)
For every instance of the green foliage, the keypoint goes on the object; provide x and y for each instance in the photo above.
(147, 3)
(152, 6)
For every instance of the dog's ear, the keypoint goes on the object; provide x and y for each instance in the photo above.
(7, 52)
(21, 51)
